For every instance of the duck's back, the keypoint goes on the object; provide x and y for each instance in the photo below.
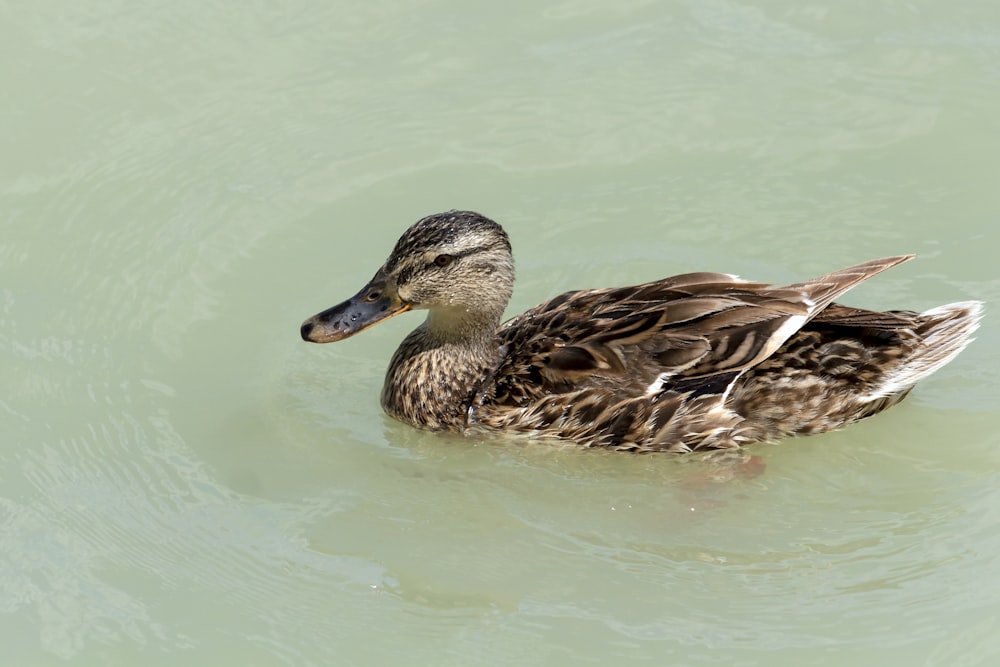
(710, 361)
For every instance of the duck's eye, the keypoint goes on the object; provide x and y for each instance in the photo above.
(443, 260)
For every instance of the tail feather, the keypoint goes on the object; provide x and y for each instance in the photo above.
(823, 290)
(943, 332)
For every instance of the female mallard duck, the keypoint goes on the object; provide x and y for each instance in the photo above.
(697, 361)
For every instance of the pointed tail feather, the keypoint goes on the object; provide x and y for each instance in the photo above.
(823, 290)
(944, 332)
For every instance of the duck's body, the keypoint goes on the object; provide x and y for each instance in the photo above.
(697, 361)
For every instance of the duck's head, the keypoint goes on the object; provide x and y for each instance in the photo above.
(457, 265)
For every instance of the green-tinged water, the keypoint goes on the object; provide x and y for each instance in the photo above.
(184, 481)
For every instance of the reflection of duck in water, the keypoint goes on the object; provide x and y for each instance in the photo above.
(697, 361)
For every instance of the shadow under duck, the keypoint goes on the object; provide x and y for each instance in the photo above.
(697, 361)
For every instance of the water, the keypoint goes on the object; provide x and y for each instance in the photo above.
(183, 481)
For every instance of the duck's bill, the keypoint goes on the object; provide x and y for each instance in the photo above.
(365, 309)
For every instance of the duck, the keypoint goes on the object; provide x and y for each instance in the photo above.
(694, 362)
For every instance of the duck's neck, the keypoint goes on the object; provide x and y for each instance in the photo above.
(438, 367)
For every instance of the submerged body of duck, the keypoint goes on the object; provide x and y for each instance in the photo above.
(696, 361)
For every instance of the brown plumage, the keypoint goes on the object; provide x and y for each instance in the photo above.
(696, 361)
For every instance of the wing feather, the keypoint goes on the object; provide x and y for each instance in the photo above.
(695, 331)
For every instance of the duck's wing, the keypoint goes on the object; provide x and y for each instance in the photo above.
(694, 332)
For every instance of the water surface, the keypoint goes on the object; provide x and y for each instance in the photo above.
(183, 481)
